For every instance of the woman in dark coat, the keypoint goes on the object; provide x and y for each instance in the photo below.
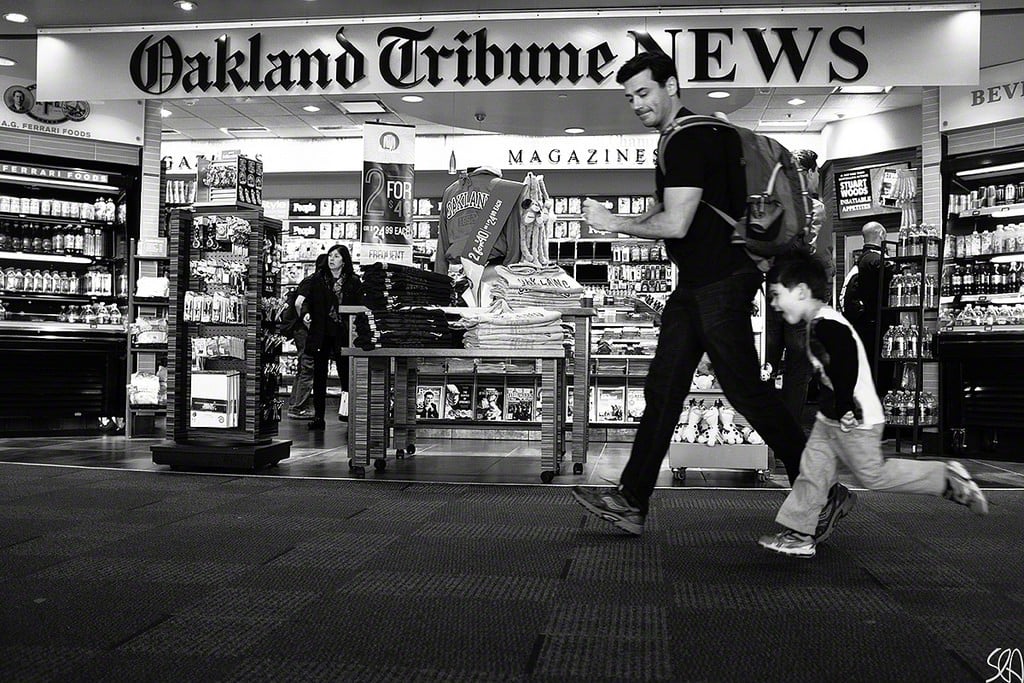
(336, 284)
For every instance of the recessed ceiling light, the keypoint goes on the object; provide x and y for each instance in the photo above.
(575, 130)
(781, 125)
(7, 61)
(311, 108)
(796, 102)
(562, 96)
(185, 5)
(718, 94)
(363, 107)
(412, 98)
(164, 113)
(15, 17)
(860, 90)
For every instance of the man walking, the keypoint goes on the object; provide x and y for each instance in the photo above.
(709, 310)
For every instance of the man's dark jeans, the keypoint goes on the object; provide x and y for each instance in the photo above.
(713, 319)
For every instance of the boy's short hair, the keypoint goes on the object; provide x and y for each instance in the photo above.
(661, 65)
(797, 268)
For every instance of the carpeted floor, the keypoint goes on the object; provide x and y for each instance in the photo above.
(149, 576)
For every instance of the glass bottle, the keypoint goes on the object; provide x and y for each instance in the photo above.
(47, 239)
(58, 240)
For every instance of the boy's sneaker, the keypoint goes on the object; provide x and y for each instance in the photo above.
(610, 505)
(840, 503)
(960, 488)
(789, 542)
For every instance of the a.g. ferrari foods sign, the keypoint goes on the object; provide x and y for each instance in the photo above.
(24, 110)
(548, 51)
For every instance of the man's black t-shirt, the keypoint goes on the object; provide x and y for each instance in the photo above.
(706, 157)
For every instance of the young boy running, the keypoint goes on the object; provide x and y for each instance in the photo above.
(850, 418)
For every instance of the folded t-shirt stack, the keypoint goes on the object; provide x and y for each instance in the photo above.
(527, 284)
(407, 328)
(502, 328)
(387, 286)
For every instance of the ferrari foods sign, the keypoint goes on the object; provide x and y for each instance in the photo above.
(867, 47)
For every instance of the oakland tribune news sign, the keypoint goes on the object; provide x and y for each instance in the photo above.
(822, 46)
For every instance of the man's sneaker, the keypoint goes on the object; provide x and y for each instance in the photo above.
(610, 505)
(840, 503)
(300, 414)
(960, 488)
(790, 543)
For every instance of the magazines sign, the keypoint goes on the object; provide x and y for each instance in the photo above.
(868, 191)
(389, 155)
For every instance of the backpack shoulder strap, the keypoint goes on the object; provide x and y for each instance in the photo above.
(682, 123)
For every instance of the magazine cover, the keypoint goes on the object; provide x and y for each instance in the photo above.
(488, 403)
(458, 401)
(519, 404)
(635, 404)
(610, 404)
(428, 402)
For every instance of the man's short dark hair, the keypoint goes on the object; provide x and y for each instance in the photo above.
(661, 65)
(797, 268)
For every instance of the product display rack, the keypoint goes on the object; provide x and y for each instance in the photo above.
(150, 259)
(683, 455)
(141, 420)
(906, 348)
(63, 261)
(980, 340)
(250, 445)
(616, 265)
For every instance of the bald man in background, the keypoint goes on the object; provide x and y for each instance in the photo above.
(872, 287)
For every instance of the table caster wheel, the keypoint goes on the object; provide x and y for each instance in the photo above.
(679, 475)
(400, 454)
(411, 449)
(380, 464)
(577, 468)
(764, 475)
(547, 476)
(359, 472)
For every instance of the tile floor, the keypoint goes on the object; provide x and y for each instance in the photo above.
(490, 461)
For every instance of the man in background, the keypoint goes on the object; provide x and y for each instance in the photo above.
(866, 294)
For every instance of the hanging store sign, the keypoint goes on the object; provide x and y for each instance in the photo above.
(998, 97)
(24, 110)
(547, 51)
(48, 173)
(389, 157)
(867, 191)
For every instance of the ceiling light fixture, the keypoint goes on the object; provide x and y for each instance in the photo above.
(860, 90)
(796, 102)
(164, 113)
(1001, 168)
(412, 98)
(185, 5)
(7, 61)
(718, 94)
(575, 130)
(782, 125)
(363, 107)
(311, 108)
(15, 18)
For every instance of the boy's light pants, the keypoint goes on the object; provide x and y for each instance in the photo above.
(861, 451)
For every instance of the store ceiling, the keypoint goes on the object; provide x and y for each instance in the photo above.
(531, 113)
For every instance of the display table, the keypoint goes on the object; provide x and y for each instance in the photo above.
(374, 374)
(370, 387)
